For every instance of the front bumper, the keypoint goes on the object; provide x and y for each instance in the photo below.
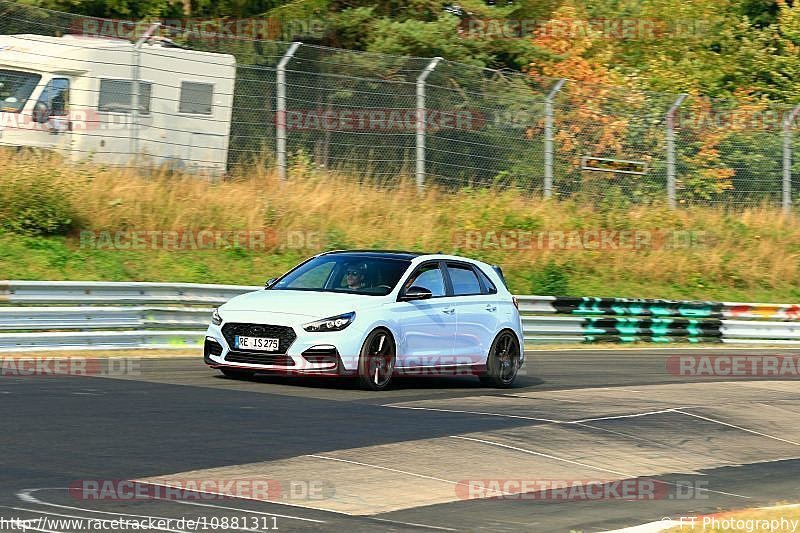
(320, 354)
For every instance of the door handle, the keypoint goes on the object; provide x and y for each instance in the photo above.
(449, 310)
(490, 307)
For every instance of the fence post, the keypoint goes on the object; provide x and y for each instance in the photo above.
(548, 138)
(422, 122)
(787, 160)
(671, 150)
(280, 111)
(136, 89)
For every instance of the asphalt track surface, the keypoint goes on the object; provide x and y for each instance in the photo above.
(405, 459)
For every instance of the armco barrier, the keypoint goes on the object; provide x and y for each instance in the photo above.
(115, 293)
(551, 319)
(122, 315)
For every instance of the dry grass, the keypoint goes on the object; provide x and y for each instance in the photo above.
(754, 251)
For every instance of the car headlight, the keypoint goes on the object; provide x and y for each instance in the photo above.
(215, 318)
(334, 323)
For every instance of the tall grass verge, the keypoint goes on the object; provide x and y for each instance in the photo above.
(747, 254)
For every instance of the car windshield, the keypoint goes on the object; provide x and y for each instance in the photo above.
(345, 273)
(15, 89)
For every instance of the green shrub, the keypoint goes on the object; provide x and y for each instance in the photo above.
(32, 204)
(552, 280)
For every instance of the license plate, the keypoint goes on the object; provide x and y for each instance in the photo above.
(263, 344)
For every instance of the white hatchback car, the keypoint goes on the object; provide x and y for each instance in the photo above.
(373, 314)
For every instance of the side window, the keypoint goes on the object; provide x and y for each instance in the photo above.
(490, 287)
(428, 277)
(56, 97)
(196, 98)
(15, 89)
(117, 96)
(465, 282)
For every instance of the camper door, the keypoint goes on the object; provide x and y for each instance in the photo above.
(115, 140)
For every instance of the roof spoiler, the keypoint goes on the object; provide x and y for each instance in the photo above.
(499, 271)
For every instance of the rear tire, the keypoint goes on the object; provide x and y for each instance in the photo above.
(237, 373)
(503, 361)
(376, 361)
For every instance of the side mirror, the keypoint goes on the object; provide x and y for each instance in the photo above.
(41, 113)
(269, 282)
(415, 292)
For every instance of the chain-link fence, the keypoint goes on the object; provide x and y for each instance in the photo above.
(209, 102)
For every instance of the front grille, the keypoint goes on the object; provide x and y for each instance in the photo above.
(259, 359)
(284, 334)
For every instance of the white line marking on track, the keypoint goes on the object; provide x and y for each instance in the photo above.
(546, 455)
(738, 427)
(31, 528)
(414, 524)
(25, 523)
(634, 415)
(247, 511)
(287, 504)
(585, 465)
(473, 413)
(545, 420)
(399, 471)
(92, 519)
(521, 396)
(25, 496)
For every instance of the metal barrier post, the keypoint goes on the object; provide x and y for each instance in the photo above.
(421, 122)
(671, 184)
(787, 160)
(136, 89)
(548, 138)
(280, 111)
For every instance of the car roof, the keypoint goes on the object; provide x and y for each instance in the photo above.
(389, 254)
(402, 254)
(421, 256)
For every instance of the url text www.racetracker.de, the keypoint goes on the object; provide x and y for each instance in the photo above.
(199, 523)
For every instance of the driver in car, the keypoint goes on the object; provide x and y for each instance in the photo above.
(354, 277)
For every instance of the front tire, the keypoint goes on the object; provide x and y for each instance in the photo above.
(503, 361)
(237, 373)
(376, 361)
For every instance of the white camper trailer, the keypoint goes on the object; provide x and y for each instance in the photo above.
(76, 95)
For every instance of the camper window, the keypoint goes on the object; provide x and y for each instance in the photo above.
(117, 96)
(15, 89)
(196, 98)
(55, 97)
